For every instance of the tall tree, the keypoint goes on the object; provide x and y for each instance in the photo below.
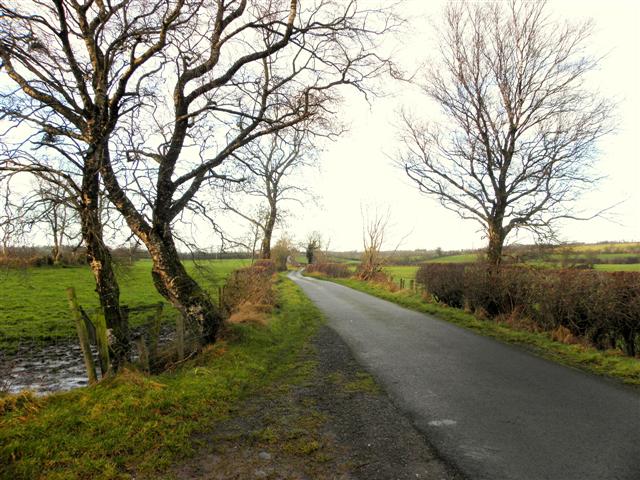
(70, 70)
(517, 136)
(267, 166)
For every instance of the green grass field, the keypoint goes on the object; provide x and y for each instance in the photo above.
(401, 271)
(615, 267)
(462, 258)
(33, 301)
(614, 247)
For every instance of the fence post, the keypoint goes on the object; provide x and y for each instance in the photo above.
(220, 297)
(102, 342)
(83, 335)
(411, 284)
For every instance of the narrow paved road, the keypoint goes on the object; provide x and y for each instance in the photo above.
(492, 410)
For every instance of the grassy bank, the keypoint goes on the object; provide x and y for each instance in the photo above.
(610, 363)
(33, 301)
(136, 426)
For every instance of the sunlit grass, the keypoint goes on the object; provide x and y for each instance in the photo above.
(33, 301)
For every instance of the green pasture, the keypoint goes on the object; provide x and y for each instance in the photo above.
(618, 267)
(33, 301)
(401, 271)
(613, 247)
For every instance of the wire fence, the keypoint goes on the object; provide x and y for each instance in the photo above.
(407, 284)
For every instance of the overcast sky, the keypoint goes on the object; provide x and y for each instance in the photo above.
(357, 170)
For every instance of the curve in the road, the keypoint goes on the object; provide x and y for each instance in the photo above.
(493, 410)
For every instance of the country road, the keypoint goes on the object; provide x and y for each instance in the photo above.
(492, 410)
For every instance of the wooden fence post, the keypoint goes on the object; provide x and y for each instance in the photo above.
(102, 343)
(83, 335)
(411, 284)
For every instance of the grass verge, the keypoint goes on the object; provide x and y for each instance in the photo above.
(610, 363)
(136, 426)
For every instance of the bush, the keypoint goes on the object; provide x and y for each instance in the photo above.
(248, 293)
(445, 282)
(602, 308)
(336, 270)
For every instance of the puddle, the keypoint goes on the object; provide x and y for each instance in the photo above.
(44, 368)
(49, 368)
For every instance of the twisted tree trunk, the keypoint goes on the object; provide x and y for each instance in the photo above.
(174, 283)
(101, 263)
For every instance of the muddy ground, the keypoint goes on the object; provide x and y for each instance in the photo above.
(333, 422)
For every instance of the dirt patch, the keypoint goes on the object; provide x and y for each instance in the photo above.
(329, 420)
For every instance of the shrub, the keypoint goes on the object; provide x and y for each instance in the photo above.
(281, 252)
(336, 270)
(445, 282)
(602, 308)
(248, 293)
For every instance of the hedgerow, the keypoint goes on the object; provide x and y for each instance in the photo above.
(602, 308)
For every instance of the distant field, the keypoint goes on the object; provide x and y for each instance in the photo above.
(627, 247)
(33, 301)
(401, 271)
(463, 258)
(618, 267)
(408, 272)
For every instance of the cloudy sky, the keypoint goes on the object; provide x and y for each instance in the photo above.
(358, 168)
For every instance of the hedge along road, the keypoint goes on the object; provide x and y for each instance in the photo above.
(492, 410)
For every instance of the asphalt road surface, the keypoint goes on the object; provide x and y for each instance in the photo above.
(492, 410)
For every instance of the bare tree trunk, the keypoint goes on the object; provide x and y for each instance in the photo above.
(174, 283)
(101, 264)
(496, 235)
(265, 246)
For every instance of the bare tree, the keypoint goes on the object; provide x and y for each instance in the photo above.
(11, 226)
(312, 245)
(267, 166)
(374, 230)
(517, 138)
(70, 70)
(50, 206)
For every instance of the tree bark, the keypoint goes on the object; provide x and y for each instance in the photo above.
(100, 261)
(174, 283)
(496, 235)
(265, 246)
